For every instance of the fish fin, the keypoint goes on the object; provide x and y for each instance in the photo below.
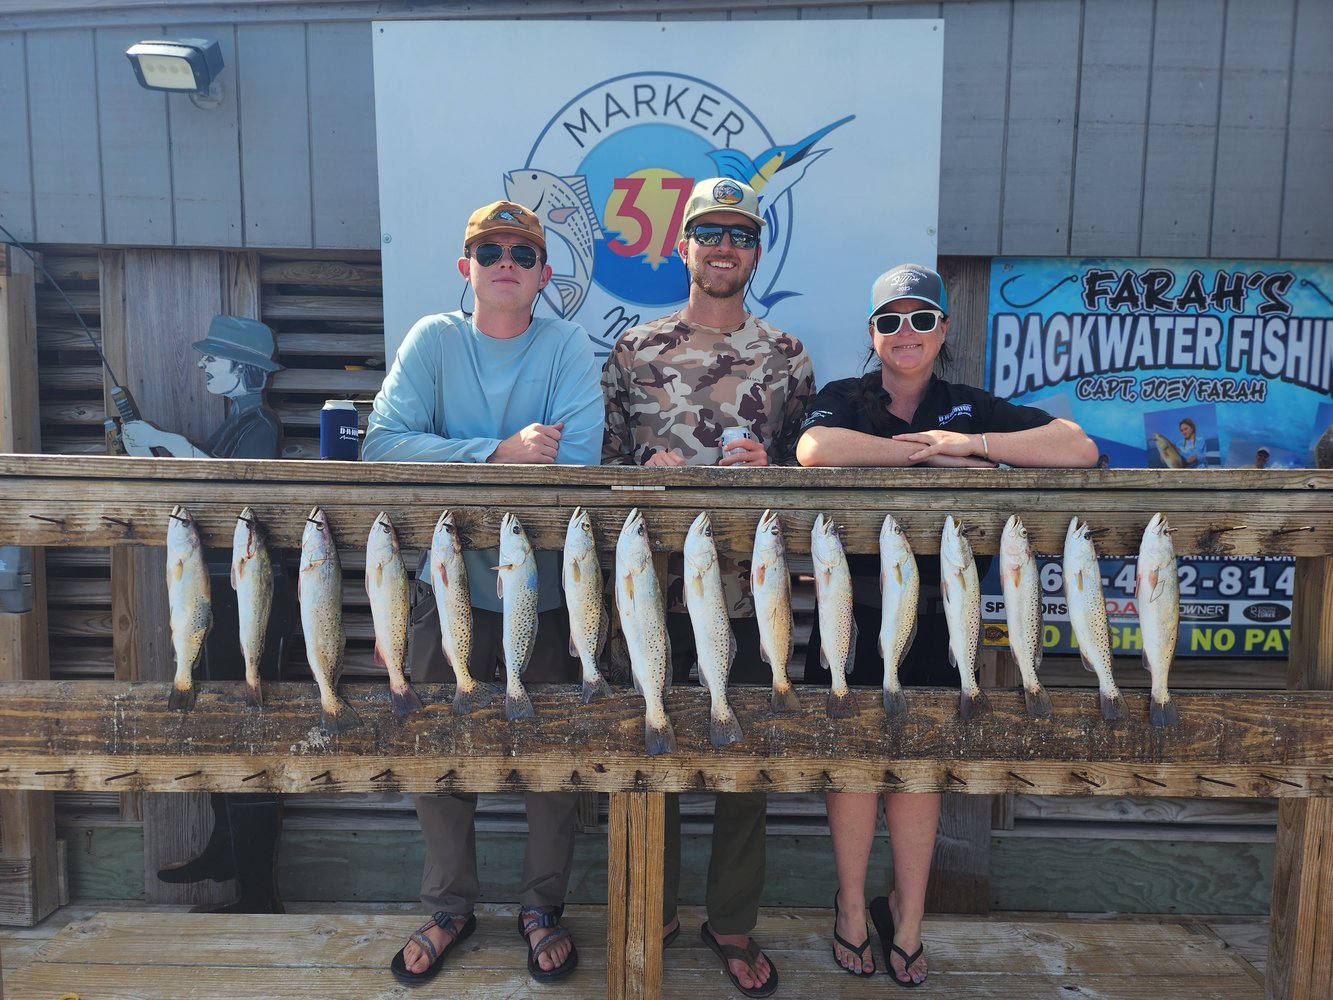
(234, 575)
(499, 582)
(442, 574)
(579, 184)
(757, 580)
(603, 634)
(1157, 583)
(518, 706)
(465, 702)
(638, 688)
(561, 215)
(253, 695)
(971, 706)
(895, 703)
(1087, 664)
(724, 730)
(1163, 713)
(182, 700)
(953, 660)
(405, 701)
(661, 740)
(570, 291)
(379, 659)
(629, 586)
(849, 664)
(734, 163)
(595, 689)
(1038, 702)
(338, 718)
(573, 649)
(823, 659)
(841, 706)
(1113, 705)
(668, 671)
(1143, 658)
(879, 644)
(731, 650)
(784, 701)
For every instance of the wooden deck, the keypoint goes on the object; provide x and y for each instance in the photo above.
(146, 953)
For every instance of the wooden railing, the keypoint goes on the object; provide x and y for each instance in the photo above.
(121, 736)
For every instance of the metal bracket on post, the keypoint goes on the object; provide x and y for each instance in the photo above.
(16, 591)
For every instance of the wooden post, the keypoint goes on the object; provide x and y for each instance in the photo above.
(634, 903)
(1300, 934)
(29, 869)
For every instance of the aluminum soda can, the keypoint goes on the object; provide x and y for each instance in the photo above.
(339, 429)
(735, 434)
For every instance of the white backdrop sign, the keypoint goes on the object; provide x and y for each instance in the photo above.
(602, 127)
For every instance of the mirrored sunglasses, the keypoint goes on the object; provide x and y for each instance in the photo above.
(489, 254)
(742, 237)
(922, 321)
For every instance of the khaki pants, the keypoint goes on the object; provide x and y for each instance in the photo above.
(737, 859)
(449, 878)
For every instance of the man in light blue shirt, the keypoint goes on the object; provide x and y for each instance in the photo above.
(497, 386)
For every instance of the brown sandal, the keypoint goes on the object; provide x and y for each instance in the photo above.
(749, 955)
(460, 925)
(532, 918)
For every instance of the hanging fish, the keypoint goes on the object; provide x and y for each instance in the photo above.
(643, 622)
(453, 603)
(189, 600)
(581, 574)
(900, 589)
(1087, 615)
(390, 609)
(252, 579)
(1157, 594)
(320, 592)
(962, 613)
(517, 586)
(837, 626)
(714, 643)
(1022, 610)
(770, 585)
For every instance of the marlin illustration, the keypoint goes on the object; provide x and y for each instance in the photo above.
(563, 205)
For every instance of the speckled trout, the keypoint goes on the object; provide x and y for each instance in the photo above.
(1022, 611)
(1157, 594)
(319, 589)
(453, 603)
(252, 579)
(390, 609)
(837, 626)
(517, 587)
(581, 575)
(714, 643)
(962, 614)
(770, 586)
(900, 588)
(1087, 615)
(643, 622)
(189, 600)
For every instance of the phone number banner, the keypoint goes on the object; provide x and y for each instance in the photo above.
(1185, 364)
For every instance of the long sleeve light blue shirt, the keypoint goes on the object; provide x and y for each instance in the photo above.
(453, 394)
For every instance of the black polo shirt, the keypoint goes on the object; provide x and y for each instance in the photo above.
(947, 406)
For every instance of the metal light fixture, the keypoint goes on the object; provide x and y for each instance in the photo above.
(187, 65)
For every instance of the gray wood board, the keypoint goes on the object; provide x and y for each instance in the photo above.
(1307, 209)
(343, 171)
(15, 162)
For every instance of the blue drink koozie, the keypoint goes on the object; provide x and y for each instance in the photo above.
(338, 427)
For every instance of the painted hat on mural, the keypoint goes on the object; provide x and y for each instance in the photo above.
(722, 194)
(504, 217)
(908, 281)
(245, 340)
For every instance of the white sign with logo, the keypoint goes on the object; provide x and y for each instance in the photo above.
(602, 128)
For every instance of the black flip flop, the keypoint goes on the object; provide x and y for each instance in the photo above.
(749, 955)
(461, 925)
(537, 918)
(883, 918)
(846, 945)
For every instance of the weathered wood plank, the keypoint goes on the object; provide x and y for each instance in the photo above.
(349, 308)
(275, 270)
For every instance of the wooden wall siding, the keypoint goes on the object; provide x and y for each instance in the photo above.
(1083, 127)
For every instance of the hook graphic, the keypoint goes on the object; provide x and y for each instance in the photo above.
(1307, 283)
(1028, 305)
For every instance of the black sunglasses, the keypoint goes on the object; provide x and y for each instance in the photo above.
(742, 237)
(489, 254)
(922, 321)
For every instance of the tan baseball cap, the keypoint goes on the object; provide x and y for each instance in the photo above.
(504, 217)
(722, 194)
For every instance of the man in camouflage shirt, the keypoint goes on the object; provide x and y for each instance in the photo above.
(672, 386)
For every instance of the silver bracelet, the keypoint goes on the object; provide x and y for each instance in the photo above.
(985, 447)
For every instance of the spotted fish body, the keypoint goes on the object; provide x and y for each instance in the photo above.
(252, 579)
(320, 591)
(517, 586)
(962, 613)
(643, 622)
(1087, 615)
(581, 575)
(837, 626)
(390, 608)
(453, 603)
(900, 589)
(1157, 594)
(714, 643)
(189, 600)
(770, 585)
(1022, 610)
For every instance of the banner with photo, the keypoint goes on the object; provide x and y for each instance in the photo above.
(603, 127)
(1183, 364)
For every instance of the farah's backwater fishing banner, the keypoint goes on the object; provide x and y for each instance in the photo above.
(1183, 364)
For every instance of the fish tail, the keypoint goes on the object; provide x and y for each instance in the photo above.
(468, 700)
(182, 699)
(517, 703)
(784, 700)
(1038, 701)
(973, 705)
(1113, 704)
(595, 687)
(895, 702)
(724, 728)
(659, 738)
(1163, 713)
(336, 716)
(841, 705)
(404, 700)
(254, 696)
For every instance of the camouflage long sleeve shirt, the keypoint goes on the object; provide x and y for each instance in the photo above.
(672, 385)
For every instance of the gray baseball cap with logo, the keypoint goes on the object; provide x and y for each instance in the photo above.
(909, 281)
